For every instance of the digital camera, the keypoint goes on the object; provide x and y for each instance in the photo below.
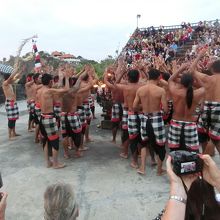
(185, 162)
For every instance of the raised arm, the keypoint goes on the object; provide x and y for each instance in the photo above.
(193, 68)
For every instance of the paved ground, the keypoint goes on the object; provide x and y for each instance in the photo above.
(105, 185)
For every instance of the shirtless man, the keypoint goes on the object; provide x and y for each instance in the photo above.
(118, 99)
(10, 101)
(132, 121)
(150, 97)
(87, 81)
(30, 101)
(48, 126)
(209, 121)
(70, 120)
(183, 133)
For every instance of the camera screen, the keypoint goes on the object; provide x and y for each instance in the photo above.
(188, 167)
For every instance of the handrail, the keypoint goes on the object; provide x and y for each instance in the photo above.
(195, 24)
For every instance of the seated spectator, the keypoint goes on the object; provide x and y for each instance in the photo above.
(60, 203)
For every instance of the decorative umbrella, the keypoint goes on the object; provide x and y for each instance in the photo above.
(6, 69)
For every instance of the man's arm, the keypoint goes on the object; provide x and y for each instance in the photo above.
(164, 100)
(136, 101)
(193, 68)
(171, 81)
(63, 90)
(29, 84)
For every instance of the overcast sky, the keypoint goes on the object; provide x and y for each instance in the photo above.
(91, 28)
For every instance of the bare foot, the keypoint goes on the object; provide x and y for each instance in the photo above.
(66, 156)
(89, 140)
(94, 117)
(83, 148)
(12, 138)
(113, 141)
(59, 166)
(49, 164)
(161, 172)
(30, 130)
(17, 135)
(133, 165)
(153, 163)
(78, 154)
(37, 141)
(141, 172)
(123, 155)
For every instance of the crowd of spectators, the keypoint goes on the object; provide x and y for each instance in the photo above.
(150, 42)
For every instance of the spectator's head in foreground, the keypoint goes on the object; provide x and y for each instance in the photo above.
(60, 202)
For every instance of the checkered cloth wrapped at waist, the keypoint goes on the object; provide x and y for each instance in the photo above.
(48, 121)
(124, 122)
(185, 130)
(57, 109)
(133, 124)
(82, 115)
(11, 108)
(70, 121)
(117, 112)
(31, 106)
(87, 110)
(209, 120)
(91, 101)
(156, 120)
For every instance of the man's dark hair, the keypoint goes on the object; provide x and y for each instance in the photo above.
(56, 78)
(154, 74)
(6, 76)
(46, 78)
(187, 82)
(165, 76)
(36, 76)
(215, 67)
(86, 77)
(133, 76)
(74, 79)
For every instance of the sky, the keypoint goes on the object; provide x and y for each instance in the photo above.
(92, 29)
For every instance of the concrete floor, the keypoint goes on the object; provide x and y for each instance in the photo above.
(105, 185)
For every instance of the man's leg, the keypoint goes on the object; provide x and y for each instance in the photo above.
(134, 152)
(217, 144)
(115, 126)
(125, 143)
(76, 137)
(161, 153)
(144, 153)
(55, 148)
(46, 155)
(88, 139)
(82, 147)
(65, 147)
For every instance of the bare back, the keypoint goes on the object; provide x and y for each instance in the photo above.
(181, 110)
(129, 92)
(82, 95)
(69, 101)
(212, 87)
(151, 96)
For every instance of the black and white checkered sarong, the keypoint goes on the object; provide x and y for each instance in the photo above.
(189, 135)
(87, 110)
(124, 122)
(82, 115)
(133, 124)
(116, 112)
(57, 109)
(209, 120)
(156, 120)
(11, 108)
(49, 123)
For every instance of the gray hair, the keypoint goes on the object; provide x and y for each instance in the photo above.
(60, 202)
